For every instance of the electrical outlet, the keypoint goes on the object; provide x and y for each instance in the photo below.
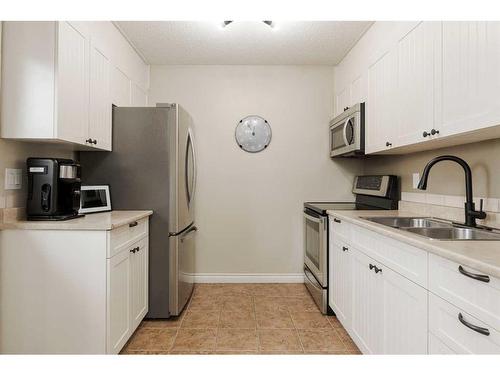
(13, 178)
(416, 180)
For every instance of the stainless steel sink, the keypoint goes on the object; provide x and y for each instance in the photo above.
(437, 229)
(409, 222)
(456, 234)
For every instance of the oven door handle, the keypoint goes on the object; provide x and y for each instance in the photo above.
(318, 220)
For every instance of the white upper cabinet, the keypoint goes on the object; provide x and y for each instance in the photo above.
(72, 84)
(60, 81)
(416, 83)
(100, 100)
(353, 93)
(429, 84)
(470, 76)
(358, 89)
(381, 114)
(342, 100)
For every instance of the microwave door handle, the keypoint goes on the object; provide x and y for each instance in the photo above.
(344, 132)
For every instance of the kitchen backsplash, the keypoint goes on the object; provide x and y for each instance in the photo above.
(489, 204)
(448, 207)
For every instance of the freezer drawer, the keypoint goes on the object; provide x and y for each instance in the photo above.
(182, 253)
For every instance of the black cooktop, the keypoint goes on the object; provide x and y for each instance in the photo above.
(322, 207)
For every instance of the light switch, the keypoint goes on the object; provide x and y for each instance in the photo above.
(13, 178)
(416, 180)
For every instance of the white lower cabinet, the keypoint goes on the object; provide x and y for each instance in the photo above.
(139, 266)
(458, 331)
(86, 298)
(127, 292)
(466, 288)
(436, 346)
(384, 301)
(404, 313)
(119, 301)
(367, 314)
(389, 312)
(341, 281)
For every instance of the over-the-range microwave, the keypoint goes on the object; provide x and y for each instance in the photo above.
(347, 133)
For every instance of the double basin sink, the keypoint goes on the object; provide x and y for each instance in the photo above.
(437, 229)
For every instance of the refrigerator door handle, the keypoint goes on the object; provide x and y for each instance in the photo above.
(186, 233)
(193, 152)
(188, 229)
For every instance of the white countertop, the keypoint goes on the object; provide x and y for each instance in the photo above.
(97, 221)
(483, 256)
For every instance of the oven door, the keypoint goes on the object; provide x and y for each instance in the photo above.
(316, 245)
(345, 136)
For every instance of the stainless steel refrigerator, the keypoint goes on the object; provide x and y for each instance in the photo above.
(153, 166)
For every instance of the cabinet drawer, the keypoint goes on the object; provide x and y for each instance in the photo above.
(480, 298)
(446, 325)
(126, 235)
(436, 346)
(405, 259)
(340, 228)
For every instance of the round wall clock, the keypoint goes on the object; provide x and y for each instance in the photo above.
(253, 134)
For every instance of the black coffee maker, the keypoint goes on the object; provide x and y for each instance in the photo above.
(53, 189)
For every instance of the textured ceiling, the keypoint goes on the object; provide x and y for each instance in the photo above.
(252, 43)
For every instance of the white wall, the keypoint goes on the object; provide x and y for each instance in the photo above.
(249, 206)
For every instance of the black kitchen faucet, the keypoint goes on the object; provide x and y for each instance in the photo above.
(470, 213)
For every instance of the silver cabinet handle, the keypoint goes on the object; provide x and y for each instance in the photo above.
(475, 276)
(481, 330)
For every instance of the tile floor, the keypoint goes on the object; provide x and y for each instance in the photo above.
(244, 319)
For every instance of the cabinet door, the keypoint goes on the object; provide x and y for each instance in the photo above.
(381, 126)
(436, 346)
(139, 282)
(405, 314)
(470, 77)
(358, 89)
(118, 310)
(72, 84)
(100, 100)
(367, 315)
(461, 332)
(340, 280)
(342, 100)
(416, 64)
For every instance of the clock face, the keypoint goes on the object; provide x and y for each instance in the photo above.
(253, 134)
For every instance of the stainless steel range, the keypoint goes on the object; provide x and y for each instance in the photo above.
(372, 193)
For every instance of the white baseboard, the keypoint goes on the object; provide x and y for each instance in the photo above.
(204, 278)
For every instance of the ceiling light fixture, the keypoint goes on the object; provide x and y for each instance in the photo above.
(271, 24)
